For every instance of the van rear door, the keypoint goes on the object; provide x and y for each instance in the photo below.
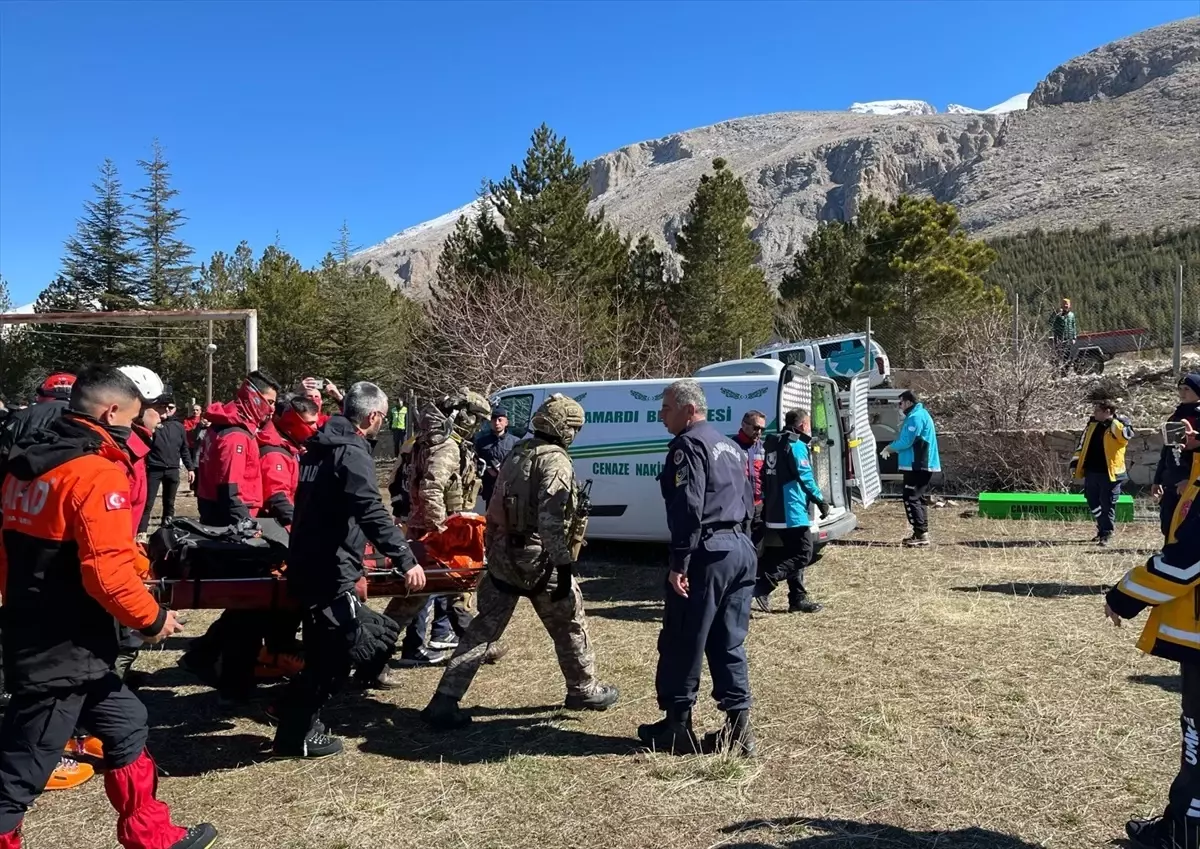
(864, 461)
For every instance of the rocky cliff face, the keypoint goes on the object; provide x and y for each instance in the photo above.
(1121, 67)
(1113, 138)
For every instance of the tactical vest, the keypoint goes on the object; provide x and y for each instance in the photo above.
(517, 488)
(464, 487)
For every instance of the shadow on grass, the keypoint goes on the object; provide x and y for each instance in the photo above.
(1170, 683)
(634, 612)
(186, 732)
(495, 735)
(1038, 590)
(848, 834)
(1021, 543)
(614, 572)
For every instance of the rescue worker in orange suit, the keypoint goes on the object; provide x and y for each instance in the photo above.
(67, 572)
(280, 445)
(230, 491)
(1168, 585)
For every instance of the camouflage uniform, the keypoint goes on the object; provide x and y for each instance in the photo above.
(529, 552)
(442, 477)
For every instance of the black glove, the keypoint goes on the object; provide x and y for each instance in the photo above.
(381, 628)
(823, 509)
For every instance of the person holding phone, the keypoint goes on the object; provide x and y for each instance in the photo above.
(1175, 462)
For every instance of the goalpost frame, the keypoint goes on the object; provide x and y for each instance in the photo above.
(250, 317)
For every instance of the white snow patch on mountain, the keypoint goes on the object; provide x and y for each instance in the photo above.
(893, 107)
(1014, 104)
(451, 217)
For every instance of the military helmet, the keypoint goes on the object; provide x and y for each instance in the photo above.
(466, 409)
(560, 417)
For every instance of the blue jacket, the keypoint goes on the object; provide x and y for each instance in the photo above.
(789, 485)
(916, 447)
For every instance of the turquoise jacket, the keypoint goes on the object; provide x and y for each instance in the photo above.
(916, 447)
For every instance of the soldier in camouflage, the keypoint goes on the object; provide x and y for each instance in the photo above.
(534, 531)
(443, 479)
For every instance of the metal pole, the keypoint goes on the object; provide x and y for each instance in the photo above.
(209, 351)
(868, 357)
(739, 347)
(1016, 324)
(1178, 359)
(251, 341)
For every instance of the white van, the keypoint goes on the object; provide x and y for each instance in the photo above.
(839, 357)
(623, 444)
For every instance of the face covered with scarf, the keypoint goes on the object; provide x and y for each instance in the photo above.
(295, 425)
(256, 405)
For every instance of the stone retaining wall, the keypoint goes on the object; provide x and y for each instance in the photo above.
(1040, 456)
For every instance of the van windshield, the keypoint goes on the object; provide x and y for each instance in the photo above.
(520, 411)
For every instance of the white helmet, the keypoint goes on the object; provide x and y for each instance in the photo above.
(149, 384)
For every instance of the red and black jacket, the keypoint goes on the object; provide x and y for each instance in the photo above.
(279, 464)
(68, 563)
(230, 485)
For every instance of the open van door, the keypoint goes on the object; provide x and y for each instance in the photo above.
(795, 390)
(861, 441)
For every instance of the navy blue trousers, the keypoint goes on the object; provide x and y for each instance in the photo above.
(711, 622)
(1102, 495)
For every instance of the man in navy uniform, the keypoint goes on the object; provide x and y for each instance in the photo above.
(710, 502)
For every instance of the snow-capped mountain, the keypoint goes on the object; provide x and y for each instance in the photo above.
(1016, 103)
(893, 107)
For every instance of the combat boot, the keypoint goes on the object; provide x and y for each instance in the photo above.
(602, 698)
(444, 714)
(736, 737)
(673, 733)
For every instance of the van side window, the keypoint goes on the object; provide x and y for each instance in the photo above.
(830, 348)
(520, 411)
(796, 357)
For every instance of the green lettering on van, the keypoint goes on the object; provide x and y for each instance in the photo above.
(724, 414)
(648, 470)
(610, 469)
(652, 415)
(611, 417)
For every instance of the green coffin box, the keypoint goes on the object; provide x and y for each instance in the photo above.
(1063, 506)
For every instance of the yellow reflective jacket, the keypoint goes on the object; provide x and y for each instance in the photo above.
(1119, 432)
(1169, 584)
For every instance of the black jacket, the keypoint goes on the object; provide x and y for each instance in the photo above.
(21, 423)
(338, 511)
(492, 450)
(170, 446)
(1169, 472)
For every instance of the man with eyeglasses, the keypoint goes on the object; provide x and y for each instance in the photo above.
(749, 439)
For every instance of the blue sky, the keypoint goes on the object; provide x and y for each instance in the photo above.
(284, 119)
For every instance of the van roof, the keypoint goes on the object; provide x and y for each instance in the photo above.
(748, 367)
(822, 340)
(633, 384)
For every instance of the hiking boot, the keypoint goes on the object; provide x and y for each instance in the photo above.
(673, 733)
(444, 714)
(762, 603)
(198, 837)
(736, 737)
(804, 605)
(1104, 541)
(494, 652)
(385, 680)
(1152, 833)
(69, 774)
(422, 657)
(918, 540)
(602, 698)
(318, 744)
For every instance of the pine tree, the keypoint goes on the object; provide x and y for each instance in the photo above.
(18, 355)
(289, 305)
(166, 267)
(647, 276)
(100, 263)
(723, 297)
(922, 267)
(819, 287)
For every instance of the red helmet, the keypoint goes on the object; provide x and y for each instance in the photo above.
(57, 386)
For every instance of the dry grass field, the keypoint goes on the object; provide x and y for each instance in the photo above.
(971, 696)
